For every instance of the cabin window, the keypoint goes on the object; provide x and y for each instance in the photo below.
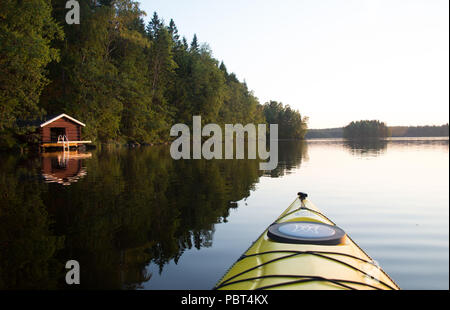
(56, 132)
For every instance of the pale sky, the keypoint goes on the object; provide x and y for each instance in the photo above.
(333, 60)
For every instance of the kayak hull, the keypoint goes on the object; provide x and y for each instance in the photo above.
(274, 264)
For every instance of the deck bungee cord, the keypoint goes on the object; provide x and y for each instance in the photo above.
(306, 279)
(294, 253)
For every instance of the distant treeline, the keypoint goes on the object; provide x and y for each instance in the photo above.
(325, 133)
(395, 131)
(127, 80)
(419, 131)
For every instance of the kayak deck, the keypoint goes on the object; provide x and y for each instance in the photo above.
(270, 264)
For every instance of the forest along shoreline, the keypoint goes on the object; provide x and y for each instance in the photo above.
(129, 84)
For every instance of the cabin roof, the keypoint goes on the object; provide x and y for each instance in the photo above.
(61, 116)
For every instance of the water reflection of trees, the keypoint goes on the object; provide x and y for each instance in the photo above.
(147, 208)
(423, 143)
(290, 156)
(366, 147)
(134, 208)
(131, 209)
(27, 244)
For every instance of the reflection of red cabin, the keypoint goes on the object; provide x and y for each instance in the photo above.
(63, 167)
(61, 131)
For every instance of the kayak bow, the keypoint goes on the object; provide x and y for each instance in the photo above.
(304, 250)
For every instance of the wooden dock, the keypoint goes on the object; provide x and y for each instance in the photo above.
(65, 146)
(61, 144)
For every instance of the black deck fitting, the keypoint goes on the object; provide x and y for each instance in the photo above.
(302, 196)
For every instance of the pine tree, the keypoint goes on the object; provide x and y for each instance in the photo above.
(223, 68)
(173, 30)
(153, 27)
(185, 43)
(194, 44)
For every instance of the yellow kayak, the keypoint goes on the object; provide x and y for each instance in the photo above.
(304, 250)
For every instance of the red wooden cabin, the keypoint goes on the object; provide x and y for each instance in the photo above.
(61, 131)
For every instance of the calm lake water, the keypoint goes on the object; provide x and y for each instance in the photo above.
(136, 219)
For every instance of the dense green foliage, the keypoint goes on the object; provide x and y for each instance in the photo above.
(366, 129)
(128, 81)
(290, 122)
(26, 32)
